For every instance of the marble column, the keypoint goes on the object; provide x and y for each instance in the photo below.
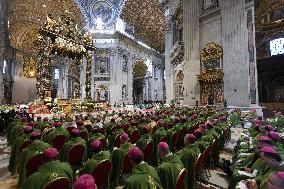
(130, 80)
(254, 99)
(114, 89)
(3, 41)
(93, 77)
(169, 76)
(235, 55)
(83, 78)
(191, 9)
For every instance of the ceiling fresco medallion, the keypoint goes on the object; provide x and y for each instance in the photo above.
(104, 11)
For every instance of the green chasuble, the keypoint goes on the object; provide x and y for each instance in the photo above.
(67, 146)
(114, 134)
(235, 118)
(109, 126)
(96, 136)
(33, 149)
(42, 124)
(189, 156)
(169, 170)
(46, 173)
(144, 139)
(92, 163)
(13, 129)
(56, 131)
(143, 176)
(15, 148)
(117, 161)
(158, 135)
(259, 165)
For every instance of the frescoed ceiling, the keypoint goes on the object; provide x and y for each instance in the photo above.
(26, 16)
(146, 18)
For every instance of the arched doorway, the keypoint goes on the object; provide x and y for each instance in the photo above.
(139, 73)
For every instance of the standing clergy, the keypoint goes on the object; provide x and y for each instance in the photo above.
(170, 168)
(98, 156)
(43, 124)
(189, 156)
(50, 171)
(75, 140)
(16, 148)
(58, 130)
(143, 175)
(118, 155)
(37, 146)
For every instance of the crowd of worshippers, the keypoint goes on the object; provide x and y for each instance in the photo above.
(131, 150)
(258, 160)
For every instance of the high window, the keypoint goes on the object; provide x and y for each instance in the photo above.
(56, 73)
(277, 46)
(4, 66)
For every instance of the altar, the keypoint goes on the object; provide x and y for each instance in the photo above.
(67, 105)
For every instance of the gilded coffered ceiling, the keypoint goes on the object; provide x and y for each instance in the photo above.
(26, 17)
(265, 7)
(147, 18)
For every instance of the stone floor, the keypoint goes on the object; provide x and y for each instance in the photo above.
(4, 158)
(6, 181)
(218, 179)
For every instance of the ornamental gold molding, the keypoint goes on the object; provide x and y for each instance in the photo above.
(211, 76)
(27, 16)
(62, 36)
(211, 51)
(30, 67)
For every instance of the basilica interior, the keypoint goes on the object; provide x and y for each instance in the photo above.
(192, 91)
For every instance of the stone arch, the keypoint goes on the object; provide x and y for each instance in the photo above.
(139, 69)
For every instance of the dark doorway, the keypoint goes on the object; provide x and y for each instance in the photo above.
(271, 82)
(138, 85)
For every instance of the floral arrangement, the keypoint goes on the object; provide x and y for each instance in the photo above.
(6, 107)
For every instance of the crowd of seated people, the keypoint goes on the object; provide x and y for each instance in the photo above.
(164, 148)
(259, 154)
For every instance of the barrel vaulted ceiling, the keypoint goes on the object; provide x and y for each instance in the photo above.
(26, 16)
(146, 17)
(148, 21)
